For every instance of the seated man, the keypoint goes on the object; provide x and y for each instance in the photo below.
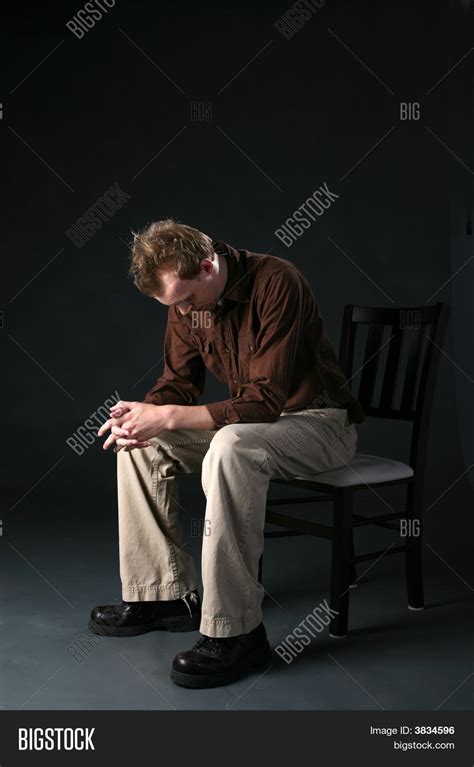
(252, 320)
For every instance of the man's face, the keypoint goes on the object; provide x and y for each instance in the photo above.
(189, 295)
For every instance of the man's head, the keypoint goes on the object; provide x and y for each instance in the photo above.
(176, 264)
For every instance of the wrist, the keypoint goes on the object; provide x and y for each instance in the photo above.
(171, 416)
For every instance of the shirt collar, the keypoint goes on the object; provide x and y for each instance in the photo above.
(236, 287)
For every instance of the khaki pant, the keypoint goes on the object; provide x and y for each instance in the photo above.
(237, 463)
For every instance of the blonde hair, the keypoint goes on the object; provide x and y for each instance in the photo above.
(167, 246)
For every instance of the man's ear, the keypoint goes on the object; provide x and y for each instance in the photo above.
(206, 266)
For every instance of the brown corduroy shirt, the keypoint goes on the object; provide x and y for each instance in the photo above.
(264, 339)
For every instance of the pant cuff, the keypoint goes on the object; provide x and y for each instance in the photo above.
(230, 627)
(155, 593)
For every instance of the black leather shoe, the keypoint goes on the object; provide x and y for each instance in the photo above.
(214, 662)
(132, 618)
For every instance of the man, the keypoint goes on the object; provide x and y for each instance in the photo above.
(251, 320)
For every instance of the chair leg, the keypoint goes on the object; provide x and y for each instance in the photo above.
(353, 578)
(414, 555)
(341, 562)
(260, 569)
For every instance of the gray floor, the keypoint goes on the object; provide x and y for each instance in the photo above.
(59, 559)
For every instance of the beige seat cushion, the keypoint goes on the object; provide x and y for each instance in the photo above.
(363, 469)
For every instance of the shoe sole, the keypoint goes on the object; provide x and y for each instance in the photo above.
(176, 624)
(258, 658)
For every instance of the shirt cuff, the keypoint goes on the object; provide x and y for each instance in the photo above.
(223, 413)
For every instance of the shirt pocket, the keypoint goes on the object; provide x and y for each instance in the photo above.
(203, 343)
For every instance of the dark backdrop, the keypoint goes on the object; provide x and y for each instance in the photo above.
(285, 116)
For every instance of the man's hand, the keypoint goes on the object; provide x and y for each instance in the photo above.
(133, 424)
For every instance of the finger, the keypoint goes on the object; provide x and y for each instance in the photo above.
(124, 404)
(109, 441)
(119, 441)
(118, 413)
(120, 432)
(129, 448)
(109, 425)
(126, 442)
(118, 406)
(105, 427)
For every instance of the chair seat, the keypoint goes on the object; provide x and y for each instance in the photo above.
(363, 469)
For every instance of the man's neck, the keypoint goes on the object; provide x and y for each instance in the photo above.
(223, 274)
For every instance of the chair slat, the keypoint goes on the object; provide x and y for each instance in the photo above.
(391, 367)
(414, 348)
(370, 366)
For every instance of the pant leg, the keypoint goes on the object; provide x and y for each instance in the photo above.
(236, 471)
(311, 441)
(153, 563)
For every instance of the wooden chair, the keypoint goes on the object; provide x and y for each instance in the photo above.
(400, 388)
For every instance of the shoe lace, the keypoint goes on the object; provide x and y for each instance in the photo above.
(193, 597)
(213, 645)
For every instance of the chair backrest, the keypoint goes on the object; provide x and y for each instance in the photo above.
(398, 365)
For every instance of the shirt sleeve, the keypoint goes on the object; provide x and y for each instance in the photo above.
(261, 399)
(184, 373)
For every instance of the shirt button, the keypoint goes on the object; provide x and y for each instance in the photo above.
(236, 380)
(251, 348)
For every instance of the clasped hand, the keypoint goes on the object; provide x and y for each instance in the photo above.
(133, 424)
